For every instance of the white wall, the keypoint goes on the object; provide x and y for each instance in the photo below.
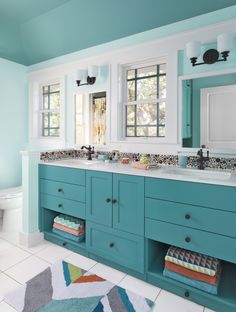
(167, 47)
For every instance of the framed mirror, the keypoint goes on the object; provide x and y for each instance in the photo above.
(91, 118)
(209, 112)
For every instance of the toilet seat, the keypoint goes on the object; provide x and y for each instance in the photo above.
(10, 193)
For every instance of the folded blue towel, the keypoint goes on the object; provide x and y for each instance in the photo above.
(68, 235)
(213, 289)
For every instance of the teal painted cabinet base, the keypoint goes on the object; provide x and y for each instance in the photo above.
(131, 221)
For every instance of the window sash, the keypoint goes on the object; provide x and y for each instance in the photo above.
(136, 102)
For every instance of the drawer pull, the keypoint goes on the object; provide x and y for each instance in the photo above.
(60, 190)
(114, 201)
(64, 244)
(187, 239)
(111, 245)
(186, 294)
(108, 200)
(187, 216)
(60, 206)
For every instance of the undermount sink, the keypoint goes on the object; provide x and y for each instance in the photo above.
(80, 162)
(196, 173)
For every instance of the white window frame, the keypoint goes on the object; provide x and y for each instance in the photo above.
(35, 112)
(124, 100)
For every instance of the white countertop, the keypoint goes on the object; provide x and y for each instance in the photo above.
(217, 177)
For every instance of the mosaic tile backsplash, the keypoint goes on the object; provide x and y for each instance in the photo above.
(170, 160)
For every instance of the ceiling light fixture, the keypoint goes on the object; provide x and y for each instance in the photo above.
(92, 73)
(211, 56)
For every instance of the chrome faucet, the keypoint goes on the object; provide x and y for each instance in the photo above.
(90, 150)
(202, 159)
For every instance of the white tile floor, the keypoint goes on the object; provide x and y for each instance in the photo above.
(18, 264)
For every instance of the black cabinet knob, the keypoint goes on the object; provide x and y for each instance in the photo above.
(60, 190)
(186, 294)
(111, 245)
(64, 244)
(114, 201)
(108, 200)
(60, 205)
(187, 216)
(187, 239)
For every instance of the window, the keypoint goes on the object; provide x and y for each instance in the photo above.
(146, 100)
(90, 118)
(50, 112)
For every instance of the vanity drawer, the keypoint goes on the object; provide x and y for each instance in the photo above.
(199, 194)
(62, 190)
(123, 248)
(62, 205)
(62, 174)
(218, 246)
(211, 220)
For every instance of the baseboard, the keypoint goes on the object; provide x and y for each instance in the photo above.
(30, 239)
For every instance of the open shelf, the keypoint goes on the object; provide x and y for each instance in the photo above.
(225, 301)
(47, 225)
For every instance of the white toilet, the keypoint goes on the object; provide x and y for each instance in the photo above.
(11, 209)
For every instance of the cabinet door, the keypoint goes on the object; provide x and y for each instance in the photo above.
(128, 208)
(99, 197)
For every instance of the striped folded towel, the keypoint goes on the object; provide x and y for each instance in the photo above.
(71, 222)
(193, 261)
(67, 229)
(213, 280)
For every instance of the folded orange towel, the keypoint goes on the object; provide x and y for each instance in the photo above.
(192, 274)
(68, 230)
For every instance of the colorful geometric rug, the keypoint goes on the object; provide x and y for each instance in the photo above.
(64, 287)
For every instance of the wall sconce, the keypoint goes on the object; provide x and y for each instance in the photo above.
(91, 76)
(211, 56)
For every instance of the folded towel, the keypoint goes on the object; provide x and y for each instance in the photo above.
(192, 274)
(213, 289)
(68, 230)
(71, 222)
(68, 236)
(193, 261)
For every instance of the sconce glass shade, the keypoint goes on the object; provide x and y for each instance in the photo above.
(93, 71)
(193, 49)
(225, 42)
(80, 74)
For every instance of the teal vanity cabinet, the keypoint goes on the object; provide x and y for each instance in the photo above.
(197, 217)
(61, 190)
(115, 214)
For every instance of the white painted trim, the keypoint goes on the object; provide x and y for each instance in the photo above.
(31, 239)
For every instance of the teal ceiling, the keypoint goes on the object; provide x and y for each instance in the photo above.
(32, 31)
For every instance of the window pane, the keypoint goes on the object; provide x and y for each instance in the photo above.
(162, 113)
(162, 87)
(131, 74)
(45, 101)
(142, 131)
(162, 68)
(45, 120)
(162, 131)
(130, 131)
(45, 132)
(54, 87)
(131, 91)
(54, 120)
(147, 88)
(54, 132)
(130, 114)
(54, 101)
(147, 71)
(146, 114)
(152, 131)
